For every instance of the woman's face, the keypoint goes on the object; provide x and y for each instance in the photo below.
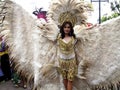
(67, 29)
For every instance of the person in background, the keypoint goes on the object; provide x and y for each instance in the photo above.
(5, 64)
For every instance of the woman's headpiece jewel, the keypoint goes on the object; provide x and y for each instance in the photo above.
(67, 16)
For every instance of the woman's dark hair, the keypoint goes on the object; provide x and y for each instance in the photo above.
(71, 29)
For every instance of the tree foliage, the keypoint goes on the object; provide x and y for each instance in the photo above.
(105, 18)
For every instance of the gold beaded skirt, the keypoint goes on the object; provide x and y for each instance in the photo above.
(68, 68)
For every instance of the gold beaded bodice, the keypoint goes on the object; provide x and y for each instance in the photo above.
(66, 51)
(66, 48)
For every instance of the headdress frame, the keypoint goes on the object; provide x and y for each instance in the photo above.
(67, 16)
(68, 10)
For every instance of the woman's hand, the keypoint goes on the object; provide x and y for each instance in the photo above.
(95, 25)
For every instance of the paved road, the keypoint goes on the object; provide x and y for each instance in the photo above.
(9, 86)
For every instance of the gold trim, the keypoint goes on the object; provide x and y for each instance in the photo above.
(67, 16)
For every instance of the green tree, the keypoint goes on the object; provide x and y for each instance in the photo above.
(105, 18)
(115, 6)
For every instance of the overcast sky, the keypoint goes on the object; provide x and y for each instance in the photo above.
(30, 5)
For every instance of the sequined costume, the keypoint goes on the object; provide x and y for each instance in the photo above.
(67, 60)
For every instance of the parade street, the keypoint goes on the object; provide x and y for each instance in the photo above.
(10, 86)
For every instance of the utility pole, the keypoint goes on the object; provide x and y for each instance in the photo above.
(99, 11)
(99, 1)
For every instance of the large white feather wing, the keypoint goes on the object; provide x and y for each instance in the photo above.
(100, 47)
(31, 49)
(34, 55)
(13, 28)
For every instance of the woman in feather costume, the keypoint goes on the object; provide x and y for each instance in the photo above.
(33, 47)
(67, 60)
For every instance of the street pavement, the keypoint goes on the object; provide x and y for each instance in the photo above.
(10, 86)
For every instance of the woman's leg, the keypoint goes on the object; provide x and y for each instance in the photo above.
(65, 81)
(69, 85)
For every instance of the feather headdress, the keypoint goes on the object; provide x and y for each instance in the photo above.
(68, 10)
